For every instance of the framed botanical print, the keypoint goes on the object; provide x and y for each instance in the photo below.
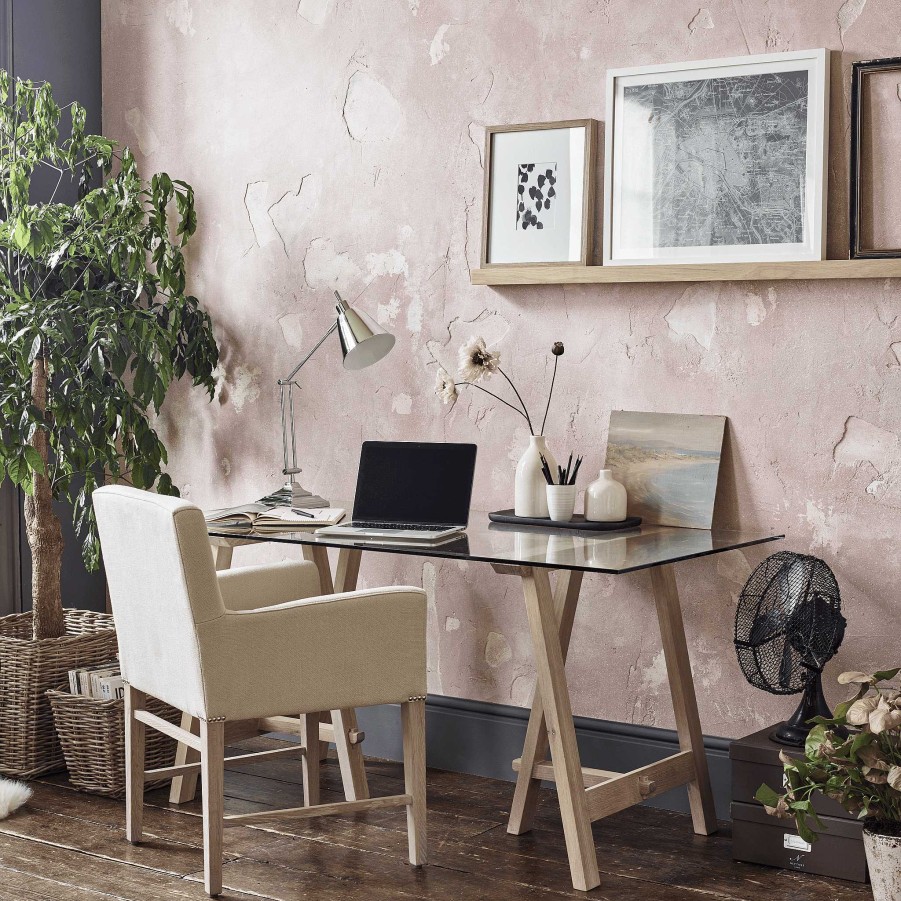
(539, 193)
(721, 160)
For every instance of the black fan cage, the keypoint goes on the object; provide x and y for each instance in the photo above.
(788, 623)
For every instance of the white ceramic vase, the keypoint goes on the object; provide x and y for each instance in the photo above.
(529, 495)
(561, 502)
(884, 862)
(605, 499)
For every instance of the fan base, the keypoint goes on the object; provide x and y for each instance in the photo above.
(794, 731)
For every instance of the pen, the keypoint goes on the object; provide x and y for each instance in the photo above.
(303, 512)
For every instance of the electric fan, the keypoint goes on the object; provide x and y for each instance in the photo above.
(788, 625)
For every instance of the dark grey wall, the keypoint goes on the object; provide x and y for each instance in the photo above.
(56, 41)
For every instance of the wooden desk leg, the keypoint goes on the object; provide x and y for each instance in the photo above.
(685, 704)
(184, 788)
(525, 797)
(350, 756)
(583, 862)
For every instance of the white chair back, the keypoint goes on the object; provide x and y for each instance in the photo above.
(162, 585)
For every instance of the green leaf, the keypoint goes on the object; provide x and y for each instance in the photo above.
(767, 795)
(33, 459)
(886, 674)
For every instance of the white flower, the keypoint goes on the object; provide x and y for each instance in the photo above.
(445, 387)
(476, 361)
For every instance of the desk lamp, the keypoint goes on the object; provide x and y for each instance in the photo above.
(362, 344)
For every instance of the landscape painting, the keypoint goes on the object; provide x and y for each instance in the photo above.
(669, 464)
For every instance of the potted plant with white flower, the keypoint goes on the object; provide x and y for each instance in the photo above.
(854, 757)
(476, 363)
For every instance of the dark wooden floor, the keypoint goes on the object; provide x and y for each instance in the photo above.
(67, 846)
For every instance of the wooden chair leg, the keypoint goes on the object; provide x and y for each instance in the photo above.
(135, 732)
(309, 736)
(413, 720)
(212, 768)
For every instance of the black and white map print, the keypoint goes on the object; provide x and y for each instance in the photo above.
(536, 196)
(728, 159)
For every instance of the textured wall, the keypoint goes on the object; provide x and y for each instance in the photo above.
(337, 144)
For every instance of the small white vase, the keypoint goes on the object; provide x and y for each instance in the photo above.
(529, 496)
(884, 861)
(605, 499)
(561, 502)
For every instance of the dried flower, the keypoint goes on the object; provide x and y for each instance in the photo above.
(894, 778)
(476, 361)
(884, 717)
(557, 349)
(854, 678)
(859, 712)
(445, 387)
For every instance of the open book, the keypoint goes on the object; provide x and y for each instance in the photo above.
(265, 520)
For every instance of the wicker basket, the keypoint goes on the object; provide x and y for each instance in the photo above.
(28, 742)
(92, 734)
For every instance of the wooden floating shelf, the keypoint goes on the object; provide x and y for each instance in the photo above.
(552, 274)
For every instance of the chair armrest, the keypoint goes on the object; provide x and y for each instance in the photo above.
(252, 587)
(341, 650)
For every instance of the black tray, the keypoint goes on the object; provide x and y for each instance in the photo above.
(577, 522)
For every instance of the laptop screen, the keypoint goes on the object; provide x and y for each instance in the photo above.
(416, 482)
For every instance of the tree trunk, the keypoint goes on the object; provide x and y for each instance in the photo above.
(45, 536)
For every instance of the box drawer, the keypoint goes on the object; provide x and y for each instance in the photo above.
(747, 778)
(762, 839)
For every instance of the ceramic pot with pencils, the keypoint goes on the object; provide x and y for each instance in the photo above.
(561, 491)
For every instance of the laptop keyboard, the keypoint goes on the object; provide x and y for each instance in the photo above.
(398, 526)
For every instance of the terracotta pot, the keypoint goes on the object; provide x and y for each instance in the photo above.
(884, 861)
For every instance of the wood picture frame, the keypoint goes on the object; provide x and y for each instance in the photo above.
(858, 72)
(585, 184)
(718, 102)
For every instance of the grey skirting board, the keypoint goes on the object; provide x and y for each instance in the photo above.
(478, 738)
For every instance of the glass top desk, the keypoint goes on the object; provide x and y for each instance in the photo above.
(533, 553)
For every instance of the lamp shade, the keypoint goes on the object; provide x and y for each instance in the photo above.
(362, 341)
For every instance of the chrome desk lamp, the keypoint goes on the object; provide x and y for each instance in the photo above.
(362, 344)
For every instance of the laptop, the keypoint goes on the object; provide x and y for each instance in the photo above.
(410, 492)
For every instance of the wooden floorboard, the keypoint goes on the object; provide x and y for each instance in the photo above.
(67, 845)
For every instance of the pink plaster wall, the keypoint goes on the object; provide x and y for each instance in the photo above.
(337, 143)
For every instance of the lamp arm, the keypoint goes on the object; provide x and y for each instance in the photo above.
(289, 432)
(300, 365)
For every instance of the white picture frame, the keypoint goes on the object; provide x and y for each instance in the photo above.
(644, 225)
(565, 236)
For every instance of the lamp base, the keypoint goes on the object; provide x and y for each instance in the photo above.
(292, 494)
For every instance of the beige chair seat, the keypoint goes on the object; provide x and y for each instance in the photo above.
(248, 644)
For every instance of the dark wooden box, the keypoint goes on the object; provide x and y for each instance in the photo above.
(762, 839)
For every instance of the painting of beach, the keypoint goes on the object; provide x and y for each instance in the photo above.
(669, 464)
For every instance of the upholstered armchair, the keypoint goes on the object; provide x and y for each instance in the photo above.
(249, 644)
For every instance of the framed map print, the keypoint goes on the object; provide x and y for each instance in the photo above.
(539, 193)
(717, 161)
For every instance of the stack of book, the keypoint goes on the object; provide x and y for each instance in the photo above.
(103, 682)
(266, 520)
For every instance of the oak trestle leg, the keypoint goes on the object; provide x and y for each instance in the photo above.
(584, 794)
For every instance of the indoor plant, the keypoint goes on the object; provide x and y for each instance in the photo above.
(477, 362)
(854, 757)
(94, 326)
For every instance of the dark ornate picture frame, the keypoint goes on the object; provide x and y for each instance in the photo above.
(858, 71)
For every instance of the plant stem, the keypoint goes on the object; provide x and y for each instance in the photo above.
(505, 403)
(550, 394)
(522, 404)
